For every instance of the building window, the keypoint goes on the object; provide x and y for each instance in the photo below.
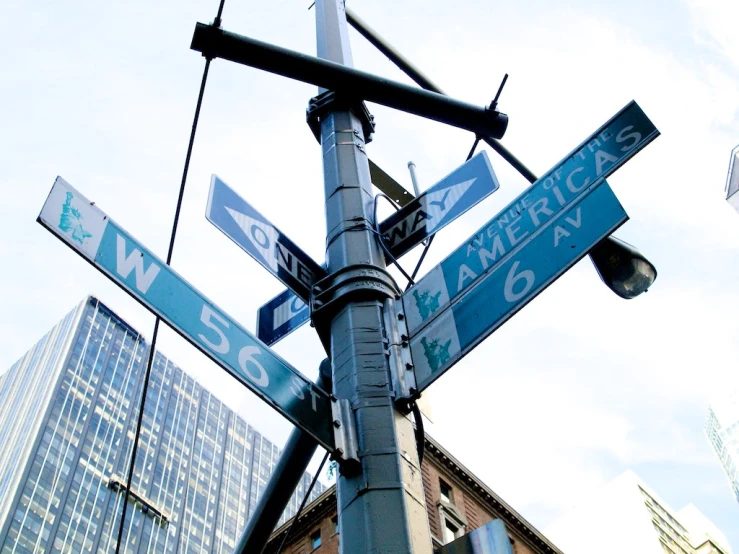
(453, 522)
(451, 531)
(446, 491)
(315, 539)
(335, 521)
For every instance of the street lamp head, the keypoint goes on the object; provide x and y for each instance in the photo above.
(622, 267)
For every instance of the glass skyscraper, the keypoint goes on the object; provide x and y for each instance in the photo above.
(722, 429)
(67, 421)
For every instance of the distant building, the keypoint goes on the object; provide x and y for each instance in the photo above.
(722, 429)
(732, 181)
(67, 421)
(457, 502)
(626, 516)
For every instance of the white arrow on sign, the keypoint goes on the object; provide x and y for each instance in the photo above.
(264, 242)
(440, 203)
(261, 235)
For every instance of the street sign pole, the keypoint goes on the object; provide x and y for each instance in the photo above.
(381, 505)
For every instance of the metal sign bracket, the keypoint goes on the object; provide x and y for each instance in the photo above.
(345, 431)
(399, 354)
(327, 102)
(355, 282)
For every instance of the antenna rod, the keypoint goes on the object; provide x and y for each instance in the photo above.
(414, 179)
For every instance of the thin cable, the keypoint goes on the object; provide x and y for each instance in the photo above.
(474, 147)
(302, 504)
(418, 431)
(155, 334)
(382, 240)
(420, 260)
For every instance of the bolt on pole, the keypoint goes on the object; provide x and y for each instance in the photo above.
(380, 503)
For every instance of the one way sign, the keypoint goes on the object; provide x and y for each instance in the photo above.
(243, 224)
(418, 219)
(456, 193)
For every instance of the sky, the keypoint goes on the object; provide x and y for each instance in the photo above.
(576, 388)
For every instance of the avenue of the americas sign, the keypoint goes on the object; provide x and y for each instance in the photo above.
(520, 251)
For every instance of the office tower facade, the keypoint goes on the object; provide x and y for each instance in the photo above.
(722, 430)
(67, 421)
(627, 516)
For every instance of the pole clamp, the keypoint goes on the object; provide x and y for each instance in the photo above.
(345, 431)
(359, 282)
(325, 103)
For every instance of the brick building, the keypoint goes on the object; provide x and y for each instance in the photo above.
(457, 502)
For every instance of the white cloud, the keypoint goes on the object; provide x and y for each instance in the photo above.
(715, 22)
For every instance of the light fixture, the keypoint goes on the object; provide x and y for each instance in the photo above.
(622, 267)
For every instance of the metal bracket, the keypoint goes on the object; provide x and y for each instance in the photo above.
(345, 431)
(327, 102)
(399, 354)
(356, 282)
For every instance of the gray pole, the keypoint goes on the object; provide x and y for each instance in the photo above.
(380, 504)
(285, 477)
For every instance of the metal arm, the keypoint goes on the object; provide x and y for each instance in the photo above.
(217, 43)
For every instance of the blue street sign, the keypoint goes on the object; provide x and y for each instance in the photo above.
(539, 260)
(98, 239)
(281, 316)
(440, 205)
(244, 225)
(575, 176)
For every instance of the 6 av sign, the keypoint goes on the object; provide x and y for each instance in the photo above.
(523, 249)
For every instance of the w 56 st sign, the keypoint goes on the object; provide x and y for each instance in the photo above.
(98, 239)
